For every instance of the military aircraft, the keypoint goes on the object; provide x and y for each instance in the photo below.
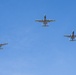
(72, 36)
(2, 45)
(45, 21)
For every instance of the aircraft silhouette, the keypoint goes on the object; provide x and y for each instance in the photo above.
(72, 36)
(45, 21)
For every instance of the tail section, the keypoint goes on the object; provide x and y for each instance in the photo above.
(73, 33)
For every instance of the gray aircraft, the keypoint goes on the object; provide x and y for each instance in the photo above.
(72, 36)
(45, 21)
(2, 45)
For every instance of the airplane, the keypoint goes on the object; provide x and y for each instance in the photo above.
(2, 45)
(72, 36)
(45, 21)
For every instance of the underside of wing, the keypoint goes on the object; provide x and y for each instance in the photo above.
(39, 20)
(67, 35)
(50, 20)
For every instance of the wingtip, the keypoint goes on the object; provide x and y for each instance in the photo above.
(35, 20)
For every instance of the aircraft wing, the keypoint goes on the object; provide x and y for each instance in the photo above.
(50, 20)
(39, 20)
(3, 44)
(67, 35)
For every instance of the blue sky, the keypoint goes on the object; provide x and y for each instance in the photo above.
(33, 49)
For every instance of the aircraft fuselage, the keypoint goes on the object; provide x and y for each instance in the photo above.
(45, 21)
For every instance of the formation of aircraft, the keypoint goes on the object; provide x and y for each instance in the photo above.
(45, 21)
(2, 45)
(72, 36)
